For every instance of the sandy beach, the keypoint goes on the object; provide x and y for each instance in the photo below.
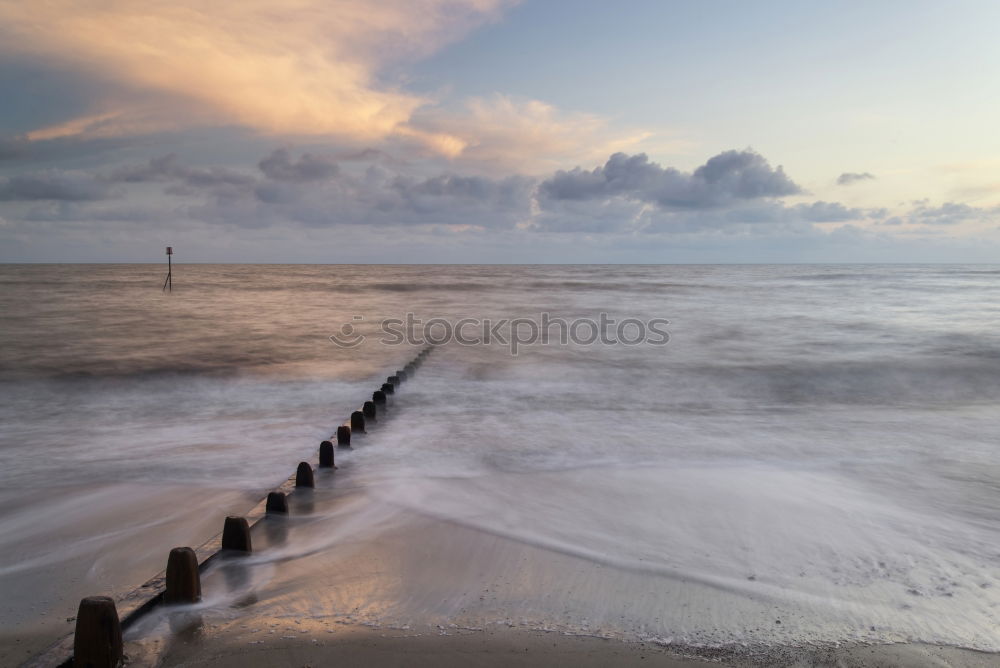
(427, 592)
(301, 645)
(360, 646)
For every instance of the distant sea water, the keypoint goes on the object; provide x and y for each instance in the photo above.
(826, 437)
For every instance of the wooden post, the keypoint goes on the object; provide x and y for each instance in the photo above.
(326, 455)
(277, 502)
(358, 422)
(97, 642)
(304, 475)
(183, 579)
(344, 436)
(236, 535)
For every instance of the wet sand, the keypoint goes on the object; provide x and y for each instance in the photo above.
(347, 579)
(313, 645)
(65, 550)
(357, 646)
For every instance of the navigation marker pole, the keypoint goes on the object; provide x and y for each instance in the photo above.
(169, 280)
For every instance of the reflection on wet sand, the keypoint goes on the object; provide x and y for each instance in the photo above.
(239, 581)
(359, 567)
(274, 529)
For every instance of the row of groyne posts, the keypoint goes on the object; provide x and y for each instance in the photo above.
(97, 639)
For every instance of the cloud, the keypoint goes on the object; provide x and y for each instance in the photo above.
(368, 155)
(617, 215)
(829, 212)
(312, 68)
(227, 185)
(627, 193)
(381, 197)
(435, 194)
(20, 151)
(318, 69)
(54, 185)
(726, 178)
(105, 124)
(951, 213)
(12, 147)
(733, 191)
(169, 168)
(280, 167)
(503, 131)
(850, 178)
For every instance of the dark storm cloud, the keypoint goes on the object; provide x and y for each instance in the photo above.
(54, 185)
(849, 178)
(726, 178)
(280, 167)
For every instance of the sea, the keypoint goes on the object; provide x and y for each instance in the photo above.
(818, 446)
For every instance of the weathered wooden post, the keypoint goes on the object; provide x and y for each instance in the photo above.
(236, 535)
(304, 475)
(277, 503)
(369, 410)
(326, 455)
(378, 398)
(344, 436)
(357, 422)
(183, 579)
(97, 641)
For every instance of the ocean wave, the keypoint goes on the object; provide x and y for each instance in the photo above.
(885, 382)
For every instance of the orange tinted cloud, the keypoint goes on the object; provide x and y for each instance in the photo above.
(306, 67)
(527, 134)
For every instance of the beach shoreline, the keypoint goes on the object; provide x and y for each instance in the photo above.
(316, 645)
(420, 591)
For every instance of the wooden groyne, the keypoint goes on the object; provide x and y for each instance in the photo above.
(100, 621)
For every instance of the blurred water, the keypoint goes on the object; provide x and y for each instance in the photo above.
(825, 436)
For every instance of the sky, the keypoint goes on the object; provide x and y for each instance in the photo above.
(468, 131)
